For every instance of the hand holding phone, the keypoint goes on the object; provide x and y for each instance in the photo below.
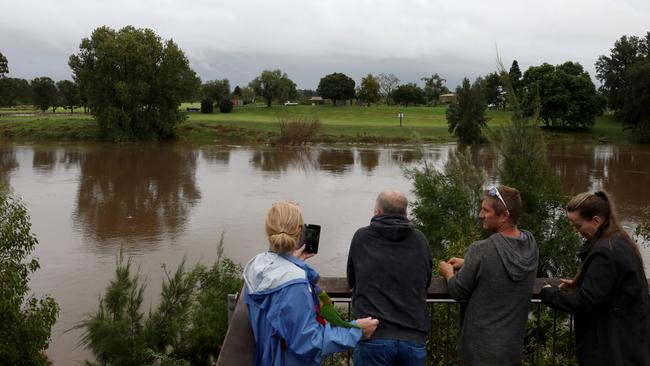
(311, 237)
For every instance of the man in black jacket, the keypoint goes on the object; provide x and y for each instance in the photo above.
(389, 271)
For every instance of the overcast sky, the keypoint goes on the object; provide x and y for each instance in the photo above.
(308, 39)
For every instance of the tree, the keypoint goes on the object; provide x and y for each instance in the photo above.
(515, 76)
(69, 93)
(44, 93)
(611, 70)
(225, 106)
(273, 85)
(4, 66)
(134, 82)
(635, 110)
(434, 86)
(207, 106)
(466, 117)
(25, 321)
(14, 91)
(237, 92)
(369, 90)
(387, 83)
(217, 90)
(336, 86)
(494, 91)
(408, 94)
(566, 94)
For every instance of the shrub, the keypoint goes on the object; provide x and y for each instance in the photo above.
(297, 131)
(466, 118)
(225, 106)
(207, 106)
(25, 321)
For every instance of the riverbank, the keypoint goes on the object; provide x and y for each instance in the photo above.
(254, 124)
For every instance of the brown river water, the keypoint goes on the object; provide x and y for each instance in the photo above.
(161, 202)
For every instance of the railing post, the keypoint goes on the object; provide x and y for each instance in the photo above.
(232, 302)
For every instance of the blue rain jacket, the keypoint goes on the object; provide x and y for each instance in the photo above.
(282, 304)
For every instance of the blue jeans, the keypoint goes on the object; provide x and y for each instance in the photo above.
(387, 352)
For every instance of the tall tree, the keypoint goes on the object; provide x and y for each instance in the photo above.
(494, 91)
(434, 86)
(25, 321)
(14, 91)
(635, 111)
(515, 76)
(611, 70)
(408, 94)
(566, 95)
(336, 86)
(44, 93)
(4, 66)
(369, 90)
(388, 83)
(237, 91)
(134, 82)
(273, 85)
(69, 93)
(216, 90)
(466, 117)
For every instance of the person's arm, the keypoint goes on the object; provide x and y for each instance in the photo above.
(595, 290)
(462, 284)
(296, 323)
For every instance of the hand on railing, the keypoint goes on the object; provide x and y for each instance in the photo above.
(368, 326)
(567, 285)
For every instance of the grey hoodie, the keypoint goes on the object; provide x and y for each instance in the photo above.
(497, 282)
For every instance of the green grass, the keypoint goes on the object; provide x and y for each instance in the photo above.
(257, 124)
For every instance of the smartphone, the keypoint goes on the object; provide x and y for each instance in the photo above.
(311, 237)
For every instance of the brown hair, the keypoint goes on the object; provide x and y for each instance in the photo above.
(283, 227)
(512, 199)
(591, 204)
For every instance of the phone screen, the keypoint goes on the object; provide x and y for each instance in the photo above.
(312, 237)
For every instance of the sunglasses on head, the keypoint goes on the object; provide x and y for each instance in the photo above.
(494, 192)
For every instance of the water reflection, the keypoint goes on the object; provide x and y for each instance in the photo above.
(282, 159)
(216, 156)
(138, 193)
(44, 160)
(336, 161)
(8, 164)
(369, 159)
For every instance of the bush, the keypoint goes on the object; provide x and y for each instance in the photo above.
(225, 106)
(187, 327)
(466, 118)
(207, 106)
(25, 321)
(297, 131)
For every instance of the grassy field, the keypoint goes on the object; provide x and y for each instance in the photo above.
(255, 124)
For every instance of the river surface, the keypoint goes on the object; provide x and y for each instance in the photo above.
(161, 202)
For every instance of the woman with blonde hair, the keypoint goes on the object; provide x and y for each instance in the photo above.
(609, 295)
(282, 299)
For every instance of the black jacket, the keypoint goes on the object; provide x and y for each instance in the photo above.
(389, 271)
(610, 304)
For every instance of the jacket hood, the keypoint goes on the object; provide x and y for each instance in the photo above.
(518, 255)
(270, 271)
(392, 227)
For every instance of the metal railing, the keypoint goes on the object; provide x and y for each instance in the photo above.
(549, 337)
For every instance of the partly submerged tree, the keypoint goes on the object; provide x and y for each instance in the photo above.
(25, 321)
(466, 118)
(134, 82)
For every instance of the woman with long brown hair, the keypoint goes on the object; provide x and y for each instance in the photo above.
(609, 294)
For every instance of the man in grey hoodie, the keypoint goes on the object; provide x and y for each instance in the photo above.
(495, 280)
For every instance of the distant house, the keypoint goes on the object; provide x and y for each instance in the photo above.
(448, 98)
(316, 100)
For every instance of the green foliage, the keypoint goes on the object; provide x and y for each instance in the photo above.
(611, 70)
(14, 91)
(217, 90)
(515, 76)
(187, 327)
(237, 92)
(297, 131)
(566, 93)
(447, 204)
(642, 231)
(523, 165)
(434, 86)
(408, 94)
(336, 86)
(44, 93)
(134, 82)
(369, 90)
(273, 85)
(635, 111)
(25, 321)
(494, 91)
(69, 92)
(225, 106)
(549, 340)
(207, 106)
(466, 117)
(4, 66)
